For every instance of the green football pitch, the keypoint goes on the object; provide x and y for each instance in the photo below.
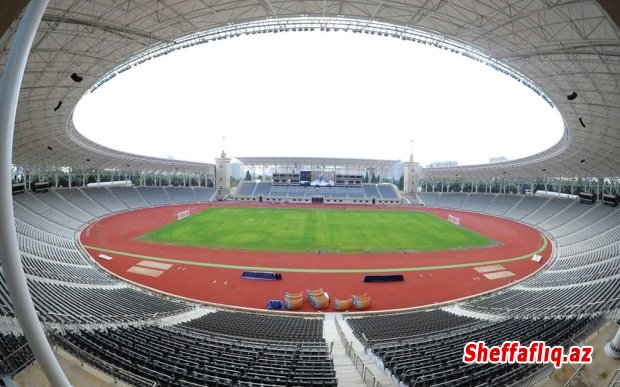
(325, 230)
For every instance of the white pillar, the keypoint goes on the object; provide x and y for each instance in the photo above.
(612, 349)
(9, 248)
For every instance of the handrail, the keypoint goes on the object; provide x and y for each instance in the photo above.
(575, 376)
(535, 377)
(615, 380)
(119, 317)
(343, 337)
(368, 377)
(586, 331)
(17, 350)
(16, 367)
(575, 339)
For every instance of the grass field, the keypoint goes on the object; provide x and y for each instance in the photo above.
(333, 230)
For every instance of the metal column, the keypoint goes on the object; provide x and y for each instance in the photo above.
(612, 349)
(9, 250)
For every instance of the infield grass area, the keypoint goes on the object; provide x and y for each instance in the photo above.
(327, 230)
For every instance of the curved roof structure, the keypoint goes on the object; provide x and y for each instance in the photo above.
(561, 46)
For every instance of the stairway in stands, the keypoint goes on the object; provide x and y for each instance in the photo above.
(346, 371)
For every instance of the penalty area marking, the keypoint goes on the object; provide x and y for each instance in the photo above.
(334, 271)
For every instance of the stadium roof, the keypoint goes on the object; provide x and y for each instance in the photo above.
(561, 46)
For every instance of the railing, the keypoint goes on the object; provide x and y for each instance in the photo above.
(573, 379)
(614, 315)
(579, 337)
(589, 329)
(92, 321)
(19, 359)
(615, 380)
(343, 337)
(107, 368)
(543, 373)
(547, 371)
(367, 376)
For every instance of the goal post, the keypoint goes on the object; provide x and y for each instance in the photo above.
(454, 220)
(182, 214)
(101, 233)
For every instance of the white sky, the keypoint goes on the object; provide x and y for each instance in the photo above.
(318, 94)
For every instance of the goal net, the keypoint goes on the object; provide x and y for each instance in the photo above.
(101, 233)
(182, 214)
(454, 219)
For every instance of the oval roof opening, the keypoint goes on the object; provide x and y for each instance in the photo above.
(319, 93)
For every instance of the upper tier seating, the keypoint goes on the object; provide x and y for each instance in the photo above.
(65, 206)
(204, 194)
(502, 204)
(244, 348)
(155, 196)
(181, 195)
(262, 189)
(65, 286)
(129, 196)
(82, 201)
(106, 199)
(371, 191)
(584, 276)
(47, 212)
(476, 202)
(387, 192)
(525, 207)
(68, 304)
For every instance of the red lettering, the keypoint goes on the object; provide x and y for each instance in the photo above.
(556, 356)
(469, 352)
(586, 354)
(494, 355)
(522, 355)
(483, 353)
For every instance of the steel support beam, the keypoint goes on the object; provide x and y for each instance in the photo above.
(9, 249)
(612, 349)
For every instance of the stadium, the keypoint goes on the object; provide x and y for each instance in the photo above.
(95, 290)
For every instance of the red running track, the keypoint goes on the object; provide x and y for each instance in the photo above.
(422, 285)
